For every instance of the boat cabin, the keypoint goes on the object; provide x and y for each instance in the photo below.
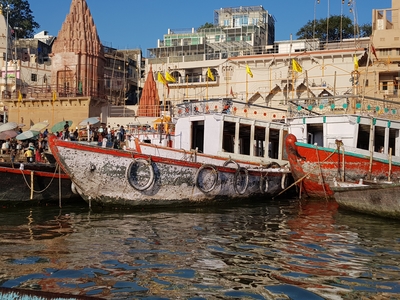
(216, 127)
(361, 134)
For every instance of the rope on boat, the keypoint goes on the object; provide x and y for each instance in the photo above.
(30, 186)
(320, 172)
(304, 176)
(59, 187)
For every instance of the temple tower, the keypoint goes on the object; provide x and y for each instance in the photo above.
(78, 58)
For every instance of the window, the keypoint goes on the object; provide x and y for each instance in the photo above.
(384, 85)
(33, 77)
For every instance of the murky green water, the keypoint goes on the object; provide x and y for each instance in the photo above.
(276, 250)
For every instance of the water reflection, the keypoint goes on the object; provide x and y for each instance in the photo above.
(274, 250)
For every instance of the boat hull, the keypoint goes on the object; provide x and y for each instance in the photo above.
(34, 184)
(315, 168)
(375, 199)
(116, 178)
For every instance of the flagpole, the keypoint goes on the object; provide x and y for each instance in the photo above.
(207, 87)
(290, 62)
(247, 90)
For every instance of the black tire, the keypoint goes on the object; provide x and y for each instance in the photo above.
(264, 184)
(137, 173)
(214, 178)
(238, 177)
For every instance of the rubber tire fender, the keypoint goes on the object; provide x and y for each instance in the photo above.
(237, 173)
(151, 170)
(214, 171)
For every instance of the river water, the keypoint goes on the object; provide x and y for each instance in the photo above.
(281, 249)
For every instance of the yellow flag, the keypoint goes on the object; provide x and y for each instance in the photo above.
(161, 78)
(169, 77)
(54, 96)
(210, 74)
(296, 67)
(355, 63)
(19, 96)
(249, 71)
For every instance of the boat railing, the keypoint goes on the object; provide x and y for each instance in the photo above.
(345, 104)
(229, 106)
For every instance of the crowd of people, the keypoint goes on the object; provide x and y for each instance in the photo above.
(29, 150)
(32, 150)
(103, 135)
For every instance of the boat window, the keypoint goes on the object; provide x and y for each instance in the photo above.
(198, 135)
(363, 137)
(259, 141)
(393, 136)
(379, 138)
(228, 139)
(315, 134)
(273, 147)
(244, 139)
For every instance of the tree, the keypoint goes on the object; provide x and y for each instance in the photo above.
(205, 26)
(20, 16)
(318, 29)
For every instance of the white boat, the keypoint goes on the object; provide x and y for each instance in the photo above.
(215, 136)
(161, 176)
(344, 148)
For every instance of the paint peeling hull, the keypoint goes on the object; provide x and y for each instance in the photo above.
(116, 178)
(316, 168)
(48, 185)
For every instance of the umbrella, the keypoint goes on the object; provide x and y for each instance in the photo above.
(60, 126)
(91, 121)
(27, 135)
(8, 126)
(39, 126)
(8, 134)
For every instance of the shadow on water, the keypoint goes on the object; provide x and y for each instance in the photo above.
(264, 249)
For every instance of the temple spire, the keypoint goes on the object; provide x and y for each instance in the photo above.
(78, 57)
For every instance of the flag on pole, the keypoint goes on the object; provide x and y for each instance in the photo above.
(296, 66)
(374, 52)
(54, 96)
(233, 95)
(19, 96)
(210, 74)
(161, 79)
(248, 71)
(169, 77)
(355, 63)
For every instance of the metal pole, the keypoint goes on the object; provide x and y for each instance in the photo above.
(5, 81)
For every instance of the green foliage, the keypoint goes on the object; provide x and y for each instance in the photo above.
(20, 15)
(206, 25)
(318, 29)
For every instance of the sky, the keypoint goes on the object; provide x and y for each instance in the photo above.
(131, 24)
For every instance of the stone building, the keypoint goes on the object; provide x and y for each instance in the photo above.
(74, 89)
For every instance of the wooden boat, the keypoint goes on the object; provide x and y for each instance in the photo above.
(23, 294)
(34, 183)
(160, 176)
(380, 199)
(345, 148)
